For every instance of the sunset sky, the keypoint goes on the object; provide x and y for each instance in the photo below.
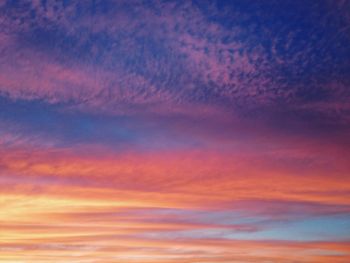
(174, 131)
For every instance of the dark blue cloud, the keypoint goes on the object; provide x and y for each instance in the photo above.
(266, 60)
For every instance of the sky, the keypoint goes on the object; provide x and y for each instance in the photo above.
(174, 131)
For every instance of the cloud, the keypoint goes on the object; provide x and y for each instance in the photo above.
(163, 131)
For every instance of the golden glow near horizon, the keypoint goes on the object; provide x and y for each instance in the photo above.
(104, 221)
